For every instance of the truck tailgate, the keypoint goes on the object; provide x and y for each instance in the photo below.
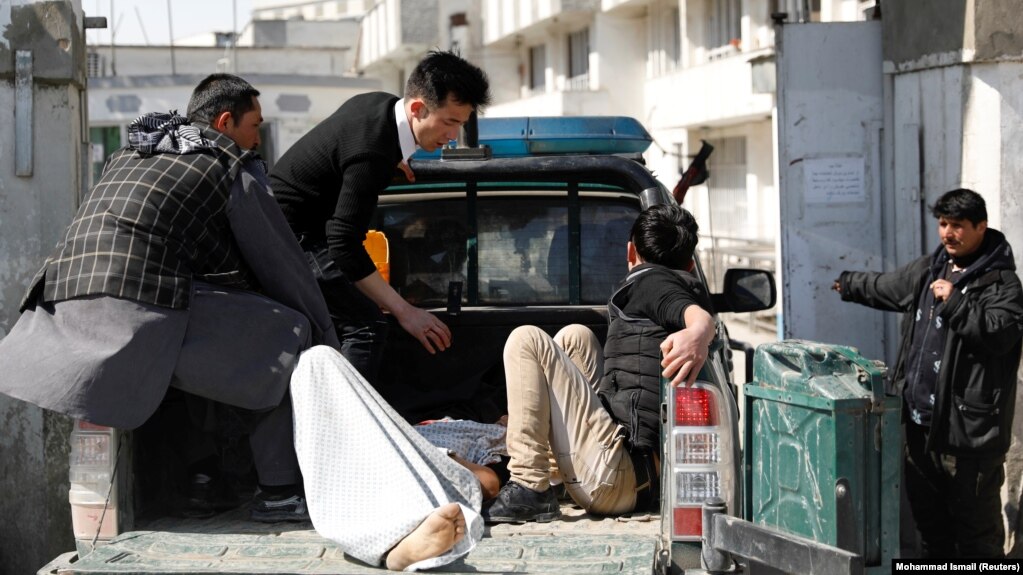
(229, 543)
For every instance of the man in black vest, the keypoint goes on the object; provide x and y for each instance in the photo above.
(178, 270)
(956, 373)
(558, 387)
(329, 181)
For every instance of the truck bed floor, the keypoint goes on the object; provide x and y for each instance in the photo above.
(230, 543)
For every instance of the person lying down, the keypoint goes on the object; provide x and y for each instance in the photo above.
(373, 484)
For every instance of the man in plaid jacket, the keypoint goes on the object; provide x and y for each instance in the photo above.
(180, 271)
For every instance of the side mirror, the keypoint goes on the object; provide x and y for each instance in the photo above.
(746, 290)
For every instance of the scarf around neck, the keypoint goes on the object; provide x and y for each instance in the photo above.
(166, 133)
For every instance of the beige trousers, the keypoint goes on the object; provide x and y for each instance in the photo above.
(553, 408)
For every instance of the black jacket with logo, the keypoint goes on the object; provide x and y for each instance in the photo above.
(976, 386)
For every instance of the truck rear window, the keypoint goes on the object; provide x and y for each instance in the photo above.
(506, 247)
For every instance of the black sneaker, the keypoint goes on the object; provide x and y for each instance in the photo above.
(518, 504)
(268, 508)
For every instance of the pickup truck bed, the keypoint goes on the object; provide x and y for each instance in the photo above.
(230, 543)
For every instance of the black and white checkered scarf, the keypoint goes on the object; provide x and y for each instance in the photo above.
(166, 133)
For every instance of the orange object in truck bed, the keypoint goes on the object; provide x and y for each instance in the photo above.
(378, 250)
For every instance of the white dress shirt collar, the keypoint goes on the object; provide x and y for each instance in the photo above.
(405, 137)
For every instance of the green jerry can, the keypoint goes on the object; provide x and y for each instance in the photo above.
(823, 448)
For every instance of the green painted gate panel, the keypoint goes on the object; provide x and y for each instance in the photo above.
(822, 448)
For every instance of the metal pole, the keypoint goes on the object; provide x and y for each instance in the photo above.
(234, 36)
(142, 25)
(113, 32)
(170, 28)
(713, 560)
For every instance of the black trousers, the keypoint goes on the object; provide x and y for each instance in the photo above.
(956, 501)
(361, 326)
(270, 432)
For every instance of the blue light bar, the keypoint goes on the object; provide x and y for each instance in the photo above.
(512, 137)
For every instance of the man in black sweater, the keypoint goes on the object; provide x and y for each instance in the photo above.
(328, 183)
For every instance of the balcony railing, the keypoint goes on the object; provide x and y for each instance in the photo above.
(577, 83)
(504, 19)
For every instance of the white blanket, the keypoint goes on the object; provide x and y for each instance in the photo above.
(370, 479)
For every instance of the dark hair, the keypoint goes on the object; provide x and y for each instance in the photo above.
(219, 93)
(961, 204)
(441, 74)
(665, 234)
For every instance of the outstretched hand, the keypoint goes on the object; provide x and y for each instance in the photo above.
(431, 332)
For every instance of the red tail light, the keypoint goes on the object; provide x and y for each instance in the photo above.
(695, 407)
(688, 521)
(700, 449)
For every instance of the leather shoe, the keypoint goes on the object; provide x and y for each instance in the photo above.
(517, 504)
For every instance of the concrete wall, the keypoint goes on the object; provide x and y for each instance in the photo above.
(999, 29)
(616, 45)
(944, 32)
(304, 33)
(291, 105)
(154, 60)
(34, 209)
(395, 30)
(308, 9)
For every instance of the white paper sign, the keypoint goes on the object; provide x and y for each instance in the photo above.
(834, 180)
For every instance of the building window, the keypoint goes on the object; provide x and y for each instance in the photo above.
(724, 26)
(579, 60)
(224, 39)
(678, 152)
(728, 199)
(94, 65)
(799, 10)
(665, 49)
(103, 141)
(267, 137)
(673, 37)
(538, 68)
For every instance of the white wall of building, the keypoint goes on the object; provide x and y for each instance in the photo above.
(615, 63)
(291, 105)
(152, 60)
(308, 9)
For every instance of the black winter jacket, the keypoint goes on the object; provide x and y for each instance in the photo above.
(976, 387)
(631, 386)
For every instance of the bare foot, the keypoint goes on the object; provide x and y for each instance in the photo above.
(435, 535)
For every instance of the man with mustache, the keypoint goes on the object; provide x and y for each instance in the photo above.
(956, 374)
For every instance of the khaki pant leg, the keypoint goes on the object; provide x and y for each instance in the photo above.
(585, 351)
(583, 348)
(551, 405)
